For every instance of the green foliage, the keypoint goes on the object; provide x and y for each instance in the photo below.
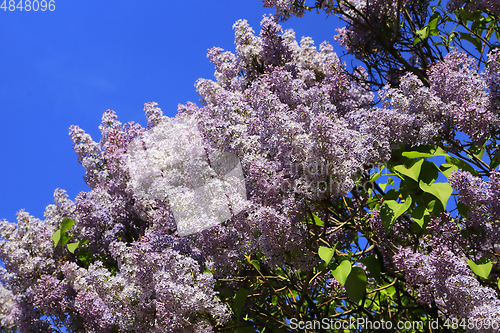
(373, 266)
(355, 284)
(391, 210)
(238, 303)
(342, 271)
(63, 236)
(326, 253)
(482, 268)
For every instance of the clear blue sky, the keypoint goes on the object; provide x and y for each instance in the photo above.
(68, 66)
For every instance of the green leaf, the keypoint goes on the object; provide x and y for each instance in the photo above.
(316, 220)
(462, 165)
(412, 171)
(376, 175)
(256, 264)
(342, 271)
(65, 237)
(425, 151)
(85, 257)
(482, 268)
(73, 246)
(373, 266)
(390, 181)
(433, 24)
(239, 302)
(495, 161)
(390, 210)
(429, 172)
(56, 237)
(423, 33)
(66, 224)
(355, 284)
(447, 169)
(421, 216)
(326, 253)
(415, 154)
(466, 15)
(442, 191)
(476, 151)
(474, 40)
(463, 209)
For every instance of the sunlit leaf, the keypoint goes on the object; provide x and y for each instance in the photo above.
(391, 210)
(326, 253)
(342, 271)
(482, 268)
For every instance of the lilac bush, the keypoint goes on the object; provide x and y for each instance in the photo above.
(313, 232)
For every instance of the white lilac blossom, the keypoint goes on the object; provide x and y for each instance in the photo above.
(169, 162)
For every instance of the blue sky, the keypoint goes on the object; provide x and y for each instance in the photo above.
(70, 65)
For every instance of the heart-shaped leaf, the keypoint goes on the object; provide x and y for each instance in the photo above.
(326, 253)
(342, 271)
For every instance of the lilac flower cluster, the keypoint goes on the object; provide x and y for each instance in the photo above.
(457, 95)
(355, 37)
(493, 79)
(483, 200)
(286, 8)
(491, 6)
(440, 275)
(27, 251)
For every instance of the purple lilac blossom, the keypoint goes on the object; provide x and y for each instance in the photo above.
(457, 94)
(483, 200)
(491, 6)
(439, 273)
